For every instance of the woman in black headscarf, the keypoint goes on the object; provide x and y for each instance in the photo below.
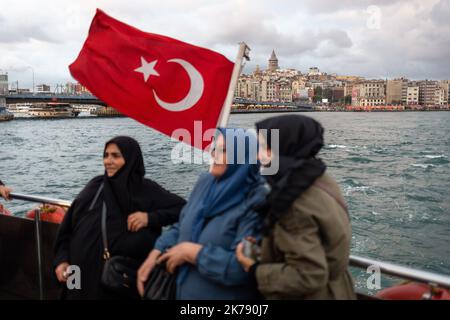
(137, 209)
(307, 234)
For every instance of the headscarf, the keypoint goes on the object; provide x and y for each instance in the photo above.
(240, 177)
(128, 181)
(213, 196)
(300, 139)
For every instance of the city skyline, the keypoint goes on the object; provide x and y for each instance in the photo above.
(272, 84)
(275, 84)
(371, 39)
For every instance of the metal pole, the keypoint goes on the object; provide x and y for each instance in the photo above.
(58, 202)
(403, 272)
(40, 259)
(225, 113)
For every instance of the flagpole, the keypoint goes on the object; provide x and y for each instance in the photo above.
(226, 109)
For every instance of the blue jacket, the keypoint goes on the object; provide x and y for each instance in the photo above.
(218, 274)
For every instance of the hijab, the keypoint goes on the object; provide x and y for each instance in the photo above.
(217, 195)
(213, 196)
(127, 183)
(300, 140)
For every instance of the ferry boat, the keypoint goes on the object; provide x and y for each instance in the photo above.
(20, 110)
(26, 255)
(106, 112)
(52, 110)
(86, 110)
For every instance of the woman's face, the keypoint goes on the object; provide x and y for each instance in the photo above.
(219, 158)
(264, 152)
(113, 159)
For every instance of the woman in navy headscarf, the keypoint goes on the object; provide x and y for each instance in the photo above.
(218, 215)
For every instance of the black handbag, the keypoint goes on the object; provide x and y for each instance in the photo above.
(120, 276)
(161, 285)
(119, 272)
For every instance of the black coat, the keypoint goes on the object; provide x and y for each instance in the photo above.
(79, 241)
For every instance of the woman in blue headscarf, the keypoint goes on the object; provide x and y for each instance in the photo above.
(218, 215)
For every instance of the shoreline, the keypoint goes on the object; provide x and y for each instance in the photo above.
(239, 112)
(312, 110)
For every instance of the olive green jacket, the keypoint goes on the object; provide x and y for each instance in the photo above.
(307, 254)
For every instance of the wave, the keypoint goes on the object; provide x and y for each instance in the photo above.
(437, 160)
(349, 190)
(362, 188)
(423, 165)
(350, 182)
(431, 156)
(336, 146)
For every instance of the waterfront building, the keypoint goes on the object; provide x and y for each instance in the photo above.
(412, 95)
(396, 91)
(75, 89)
(337, 94)
(441, 96)
(431, 93)
(369, 93)
(43, 88)
(444, 84)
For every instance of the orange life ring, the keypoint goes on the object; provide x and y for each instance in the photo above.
(4, 211)
(50, 213)
(412, 291)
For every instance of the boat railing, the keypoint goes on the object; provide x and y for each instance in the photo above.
(434, 280)
(38, 231)
(25, 197)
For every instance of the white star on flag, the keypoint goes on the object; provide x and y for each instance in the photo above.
(147, 69)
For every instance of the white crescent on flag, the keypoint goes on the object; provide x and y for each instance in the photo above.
(195, 91)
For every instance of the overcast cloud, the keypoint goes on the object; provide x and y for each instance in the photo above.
(374, 39)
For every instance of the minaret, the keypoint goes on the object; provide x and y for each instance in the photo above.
(273, 62)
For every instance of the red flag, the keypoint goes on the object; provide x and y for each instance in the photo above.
(161, 82)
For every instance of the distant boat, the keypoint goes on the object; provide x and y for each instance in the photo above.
(52, 110)
(107, 112)
(20, 110)
(5, 115)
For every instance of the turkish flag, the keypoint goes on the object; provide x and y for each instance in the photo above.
(161, 82)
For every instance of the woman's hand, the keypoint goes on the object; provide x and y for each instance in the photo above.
(180, 254)
(245, 261)
(61, 271)
(4, 192)
(137, 220)
(145, 269)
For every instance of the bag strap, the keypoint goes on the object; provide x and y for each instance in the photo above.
(96, 197)
(332, 194)
(92, 203)
(106, 254)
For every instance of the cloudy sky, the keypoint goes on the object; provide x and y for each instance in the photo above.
(371, 38)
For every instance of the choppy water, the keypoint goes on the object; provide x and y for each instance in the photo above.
(394, 170)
